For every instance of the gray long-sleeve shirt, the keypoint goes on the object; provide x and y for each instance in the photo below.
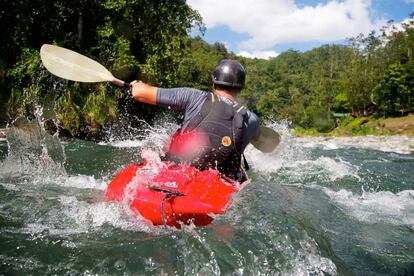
(191, 100)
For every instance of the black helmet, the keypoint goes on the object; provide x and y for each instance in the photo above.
(229, 72)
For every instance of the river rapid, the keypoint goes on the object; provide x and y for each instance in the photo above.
(315, 206)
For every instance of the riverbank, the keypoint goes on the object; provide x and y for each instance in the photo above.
(363, 126)
(356, 127)
(401, 126)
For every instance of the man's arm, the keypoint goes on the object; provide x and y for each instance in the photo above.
(144, 93)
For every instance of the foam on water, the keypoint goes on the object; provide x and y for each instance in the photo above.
(94, 215)
(293, 156)
(74, 216)
(308, 261)
(10, 187)
(397, 144)
(128, 143)
(322, 167)
(87, 215)
(82, 182)
(334, 169)
(374, 207)
(37, 171)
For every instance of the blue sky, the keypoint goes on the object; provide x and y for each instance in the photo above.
(265, 28)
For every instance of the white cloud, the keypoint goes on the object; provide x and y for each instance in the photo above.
(397, 27)
(272, 22)
(258, 54)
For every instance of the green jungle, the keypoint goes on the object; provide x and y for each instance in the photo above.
(351, 89)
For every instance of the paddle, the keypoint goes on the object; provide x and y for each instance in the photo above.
(267, 141)
(70, 65)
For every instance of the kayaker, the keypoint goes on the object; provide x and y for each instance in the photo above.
(216, 128)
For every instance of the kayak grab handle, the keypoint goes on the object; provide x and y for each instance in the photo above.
(167, 191)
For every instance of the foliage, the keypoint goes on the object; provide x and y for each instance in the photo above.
(199, 62)
(27, 90)
(149, 40)
(395, 92)
(307, 87)
(136, 39)
(372, 76)
(300, 131)
(69, 112)
(358, 126)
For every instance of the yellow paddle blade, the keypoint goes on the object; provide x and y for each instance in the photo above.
(267, 141)
(70, 65)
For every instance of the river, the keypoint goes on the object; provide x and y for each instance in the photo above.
(316, 206)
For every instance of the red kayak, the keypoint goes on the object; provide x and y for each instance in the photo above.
(168, 194)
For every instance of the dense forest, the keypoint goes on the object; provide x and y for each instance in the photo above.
(372, 75)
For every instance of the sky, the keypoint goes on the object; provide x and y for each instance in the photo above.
(265, 28)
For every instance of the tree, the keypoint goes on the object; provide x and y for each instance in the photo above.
(198, 63)
(136, 39)
(396, 91)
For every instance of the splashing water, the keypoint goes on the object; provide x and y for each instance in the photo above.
(314, 207)
(31, 150)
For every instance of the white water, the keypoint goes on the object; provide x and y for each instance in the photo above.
(396, 144)
(293, 157)
(78, 205)
(376, 207)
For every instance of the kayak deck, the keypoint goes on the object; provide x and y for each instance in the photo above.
(173, 194)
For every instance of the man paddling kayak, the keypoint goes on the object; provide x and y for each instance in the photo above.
(214, 134)
(222, 126)
(216, 128)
